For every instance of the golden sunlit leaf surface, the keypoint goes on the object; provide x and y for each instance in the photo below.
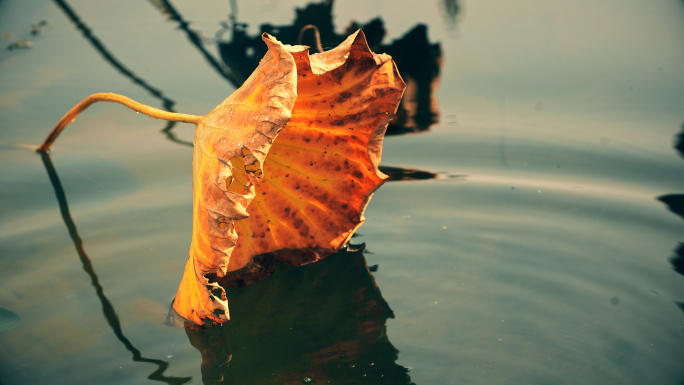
(231, 144)
(323, 168)
(260, 190)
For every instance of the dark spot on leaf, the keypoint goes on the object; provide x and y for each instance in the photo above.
(346, 120)
(364, 64)
(298, 223)
(344, 96)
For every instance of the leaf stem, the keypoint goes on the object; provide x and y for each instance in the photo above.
(318, 36)
(116, 98)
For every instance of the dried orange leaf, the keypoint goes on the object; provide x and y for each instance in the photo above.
(231, 144)
(323, 167)
(312, 189)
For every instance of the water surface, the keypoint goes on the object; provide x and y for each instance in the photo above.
(547, 249)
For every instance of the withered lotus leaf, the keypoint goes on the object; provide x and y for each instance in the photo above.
(321, 170)
(231, 143)
(310, 192)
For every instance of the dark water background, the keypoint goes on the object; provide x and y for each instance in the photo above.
(548, 249)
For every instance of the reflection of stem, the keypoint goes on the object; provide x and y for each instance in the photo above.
(233, 11)
(168, 131)
(107, 308)
(99, 47)
(197, 42)
(115, 98)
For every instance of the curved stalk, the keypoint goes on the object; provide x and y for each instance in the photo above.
(116, 98)
(318, 36)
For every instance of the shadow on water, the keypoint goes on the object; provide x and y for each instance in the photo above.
(107, 308)
(675, 203)
(324, 322)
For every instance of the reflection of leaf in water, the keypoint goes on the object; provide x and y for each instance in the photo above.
(107, 308)
(323, 321)
(419, 63)
(451, 10)
(8, 320)
(678, 260)
(679, 143)
(405, 174)
(674, 202)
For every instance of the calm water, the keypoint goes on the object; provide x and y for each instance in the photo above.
(548, 250)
